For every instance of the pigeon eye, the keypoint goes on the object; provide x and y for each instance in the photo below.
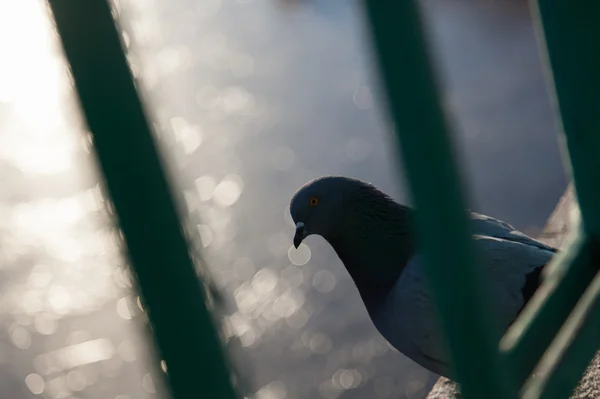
(314, 201)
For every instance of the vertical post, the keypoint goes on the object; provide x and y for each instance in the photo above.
(147, 214)
(569, 33)
(420, 123)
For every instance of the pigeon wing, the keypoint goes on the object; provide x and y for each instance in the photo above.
(505, 265)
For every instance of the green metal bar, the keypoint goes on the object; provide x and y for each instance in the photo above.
(136, 181)
(570, 33)
(426, 150)
(527, 340)
(563, 365)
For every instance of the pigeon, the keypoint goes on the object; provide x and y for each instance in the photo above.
(373, 236)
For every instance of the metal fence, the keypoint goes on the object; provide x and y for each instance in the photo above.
(559, 326)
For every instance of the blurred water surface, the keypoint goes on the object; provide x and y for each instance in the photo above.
(249, 99)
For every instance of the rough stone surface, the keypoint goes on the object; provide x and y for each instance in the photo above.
(555, 233)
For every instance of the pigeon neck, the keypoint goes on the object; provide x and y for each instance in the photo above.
(375, 251)
(376, 275)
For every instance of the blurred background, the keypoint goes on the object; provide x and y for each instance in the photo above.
(249, 100)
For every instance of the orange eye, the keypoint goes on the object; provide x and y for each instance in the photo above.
(314, 201)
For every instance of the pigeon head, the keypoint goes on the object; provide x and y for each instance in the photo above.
(369, 231)
(316, 207)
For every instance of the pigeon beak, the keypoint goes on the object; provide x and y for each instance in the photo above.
(299, 236)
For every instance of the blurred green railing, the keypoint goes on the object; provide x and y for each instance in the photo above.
(564, 308)
(561, 325)
(135, 179)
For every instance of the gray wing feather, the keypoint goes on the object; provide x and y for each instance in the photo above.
(488, 226)
(505, 257)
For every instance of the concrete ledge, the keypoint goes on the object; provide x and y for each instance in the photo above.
(555, 233)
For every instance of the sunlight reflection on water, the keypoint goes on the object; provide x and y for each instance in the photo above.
(60, 263)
